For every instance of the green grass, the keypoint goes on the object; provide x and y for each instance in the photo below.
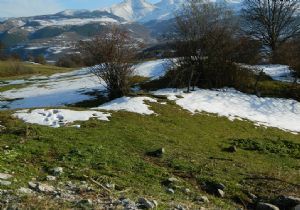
(16, 70)
(266, 163)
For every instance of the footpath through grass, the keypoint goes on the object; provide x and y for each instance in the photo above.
(266, 163)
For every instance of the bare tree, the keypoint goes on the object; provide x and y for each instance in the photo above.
(113, 51)
(206, 41)
(273, 22)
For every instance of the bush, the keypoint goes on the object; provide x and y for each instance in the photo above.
(70, 61)
(39, 59)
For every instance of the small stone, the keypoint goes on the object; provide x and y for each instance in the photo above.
(220, 186)
(220, 193)
(44, 188)
(202, 199)
(179, 207)
(266, 206)
(287, 202)
(32, 185)
(24, 190)
(170, 190)
(186, 190)
(57, 171)
(5, 183)
(110, 186)
(145, 203)
(232, 149)
(85, 202)
(51, 178)
(173, 179)
(157, 153)
(252, 196)
(5, 176)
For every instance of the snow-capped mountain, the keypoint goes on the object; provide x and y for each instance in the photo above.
(143, 11)
(132, 10)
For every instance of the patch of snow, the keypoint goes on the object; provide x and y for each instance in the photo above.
(276, 72)
(75, 21)
(58, 117)
(272, 112)
(130, 104)
(56, 90)
(152, 69)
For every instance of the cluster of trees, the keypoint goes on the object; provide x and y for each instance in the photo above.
(211, 43)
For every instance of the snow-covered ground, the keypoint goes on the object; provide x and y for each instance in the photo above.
(58, 117)
(72, 87)
(276, 72)
(65, 88)
(136, 105)
(152, 69)
(272, 112)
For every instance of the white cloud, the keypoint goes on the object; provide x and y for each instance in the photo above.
(20, 8)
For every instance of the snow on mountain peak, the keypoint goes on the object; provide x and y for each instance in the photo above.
(132, 10)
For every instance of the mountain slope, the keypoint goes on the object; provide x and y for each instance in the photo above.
(132, 10)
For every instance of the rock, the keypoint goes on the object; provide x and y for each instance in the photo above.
(170, 181)
(57, 171)
(297, 207)
(287, 202)
(220, 186)
(44, 188)
(51, 178)
(232, 149)
(144, 203)
(157, 153)
(5, 176)
(202, 199)
(24, 190)
(180, 207)
(85, 202)
(186, 190)
(32, 185)
(170, 190)
(252, 196)
(110, 186)
(266, 206)
(5, 183)
(220, 193)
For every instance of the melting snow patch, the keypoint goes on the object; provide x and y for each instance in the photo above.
(135, 104)
(152, 69)
(271, 112)
(58, 117)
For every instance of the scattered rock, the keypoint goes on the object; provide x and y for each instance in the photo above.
(202, 199)
(266, 206)
(170, 190)
(287, 202)
(44, 188)
(220, 186)
(5, 176)
(220, 193)
(5, 183)
(24, 190)
(186, 190)
(51, 178)
(110, 186)
(85, 202)
(157, 153)
(57, 171)
(170, 181)
(32, 185)
(145, 203)
(231, 149)
(252, 196)
(180, 207)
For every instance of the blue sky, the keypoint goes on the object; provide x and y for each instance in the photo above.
(17, 8)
